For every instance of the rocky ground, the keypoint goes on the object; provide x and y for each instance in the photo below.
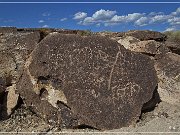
(162, 120)
(63, 81)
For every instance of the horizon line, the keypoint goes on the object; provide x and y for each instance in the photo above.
(98, 2)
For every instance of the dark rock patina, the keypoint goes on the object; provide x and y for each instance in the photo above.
(94, 81)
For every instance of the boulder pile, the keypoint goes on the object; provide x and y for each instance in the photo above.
(72, 79)
(165, 55)
(15, 48)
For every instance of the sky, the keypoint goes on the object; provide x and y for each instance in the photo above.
(94, 17)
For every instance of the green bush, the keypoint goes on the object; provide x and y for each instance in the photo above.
(173, 35)
(84, 33)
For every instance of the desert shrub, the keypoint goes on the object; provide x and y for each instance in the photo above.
(173, 35)
(85, 33)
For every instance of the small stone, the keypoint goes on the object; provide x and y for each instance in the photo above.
(12, 99)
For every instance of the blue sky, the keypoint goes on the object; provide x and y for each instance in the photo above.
(95, 17)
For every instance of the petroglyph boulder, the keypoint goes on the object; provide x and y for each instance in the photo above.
(72, 80)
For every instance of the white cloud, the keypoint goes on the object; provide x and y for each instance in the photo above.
(142, 21)
(110, 18)
(80, 15)
(174, 21)
(103, 14)
(159, 18)
(134, 16)
(155, 13)
(46, 14)
(88, 21)
(177, 12)
(98, 24)
(63, 19)
(117, 19)
(98, 17)
(45, 26)
(170, 29)
(124, 19)
(111, 24)
(41, 21)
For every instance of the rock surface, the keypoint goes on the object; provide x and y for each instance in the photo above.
(127, 41)
(149, 47)
(165, 118)
(7, 67)
(173, 46)
(7, 30)
(90, 81)
(51, 95)
(12, 99)
(168, 71)
(146, 35)
(14, 50)
(2, 85)
(138, 34)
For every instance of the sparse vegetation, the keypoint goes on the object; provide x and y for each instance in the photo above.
(85, 33)
(173, 35)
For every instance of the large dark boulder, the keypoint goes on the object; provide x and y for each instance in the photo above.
(72, 80)
(146, 35)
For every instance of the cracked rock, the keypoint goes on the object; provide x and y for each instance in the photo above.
(150, 47)
(127, 41)
(168, 71)
(146, 35)
(14, 50)
(174, 46)
(72, 80)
